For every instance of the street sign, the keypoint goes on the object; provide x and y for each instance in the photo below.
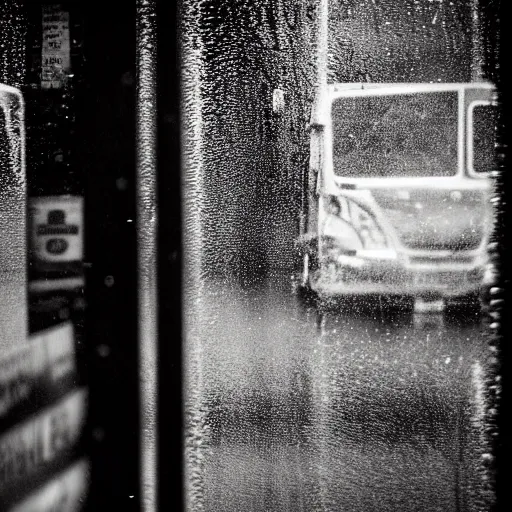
(41, 364)
(56, 57)
(30, 449)
(56, 232)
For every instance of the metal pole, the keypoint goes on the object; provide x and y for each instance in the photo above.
(147, 248)
(477, 57)
(323, 41)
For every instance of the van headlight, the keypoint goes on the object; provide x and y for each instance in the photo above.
(351, 227)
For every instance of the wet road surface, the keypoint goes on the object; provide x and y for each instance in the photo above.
(367, 408)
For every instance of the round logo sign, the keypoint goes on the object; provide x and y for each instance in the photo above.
(57, 246)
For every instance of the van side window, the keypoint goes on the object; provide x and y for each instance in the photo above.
(484, 138)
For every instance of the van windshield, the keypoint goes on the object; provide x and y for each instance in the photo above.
(410, 135)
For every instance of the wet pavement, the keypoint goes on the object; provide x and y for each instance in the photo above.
(366, 407)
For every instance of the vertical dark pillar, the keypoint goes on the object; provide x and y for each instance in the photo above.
(169, 260)
(106, 121)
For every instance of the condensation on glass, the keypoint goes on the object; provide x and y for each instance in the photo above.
(13, 303)
(361, 407)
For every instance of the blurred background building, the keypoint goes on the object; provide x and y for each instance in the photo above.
(74, 62)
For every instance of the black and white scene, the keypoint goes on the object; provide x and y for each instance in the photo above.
(251, 256)
(338, 168)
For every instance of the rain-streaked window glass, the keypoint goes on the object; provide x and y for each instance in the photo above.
(334, 357)
(484, 138)
(407, 135)
(12, 220)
